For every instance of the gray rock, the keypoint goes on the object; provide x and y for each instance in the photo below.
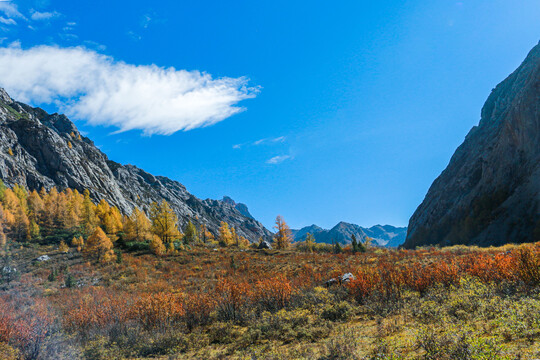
(48, 151)
(9, 270)
(490, 192)
(265, 245)
(347, 277)
(43, 258)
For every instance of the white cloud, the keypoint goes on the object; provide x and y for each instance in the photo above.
(103, 91)
(7, 21)
(10, 10)
(278, 159)
(36, 15)
(279, 139)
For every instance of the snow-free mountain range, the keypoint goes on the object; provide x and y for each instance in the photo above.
(380, 235)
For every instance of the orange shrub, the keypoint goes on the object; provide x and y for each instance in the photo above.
(272, 294)
(157, 310)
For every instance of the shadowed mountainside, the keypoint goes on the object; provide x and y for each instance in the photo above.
(490, 192)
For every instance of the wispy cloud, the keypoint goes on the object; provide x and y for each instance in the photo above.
(43, 16)
(104, 91)
(279, 139)
(11, 10)
(7, 21)
(134, 36)
(278, 159)
(146, 19)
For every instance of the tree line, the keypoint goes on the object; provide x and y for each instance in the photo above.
(48, 216)
(69, 217)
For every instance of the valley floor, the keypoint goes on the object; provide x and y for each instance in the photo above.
(223, 303)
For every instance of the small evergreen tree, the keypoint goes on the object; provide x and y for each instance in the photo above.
(191, 236)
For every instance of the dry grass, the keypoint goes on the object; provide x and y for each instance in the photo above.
(202, 303)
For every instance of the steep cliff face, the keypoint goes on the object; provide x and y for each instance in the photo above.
(38, 149)
(490, 192)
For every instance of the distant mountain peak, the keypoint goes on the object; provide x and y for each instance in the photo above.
(387, 235)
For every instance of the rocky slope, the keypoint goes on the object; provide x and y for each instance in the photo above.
(387, 235)
(38, 149)
(490, 192)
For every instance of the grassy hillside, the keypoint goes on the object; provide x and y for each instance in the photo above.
(226, 303)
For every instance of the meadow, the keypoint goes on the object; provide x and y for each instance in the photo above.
(211, 302)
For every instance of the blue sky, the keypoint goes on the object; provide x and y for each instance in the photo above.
(319, 111)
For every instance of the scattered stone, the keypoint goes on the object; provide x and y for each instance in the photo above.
(345, 278)
(43, 258)
(9, 270)
(265, 245)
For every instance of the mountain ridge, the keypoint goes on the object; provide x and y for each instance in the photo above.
(38, 150)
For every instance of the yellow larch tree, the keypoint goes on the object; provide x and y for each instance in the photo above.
(89, 220)
(164, 222)
(137, 226)
(78, 242)
(282, 238)
(99, 246)
(156, 246)
(225, 235)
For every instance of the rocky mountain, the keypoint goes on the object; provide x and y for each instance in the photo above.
(382, 235)
(242, 208)
(490, 192)
(38, 150)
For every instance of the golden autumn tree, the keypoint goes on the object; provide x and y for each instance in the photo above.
(16, 213)
(2, 233)
(72, 215)
(282, 238)
(89, 220)
(112, 222)
(164, 222)
(78, 242)
(99, 246)
(63, 248)
(102, 209)
(225, 235)
(156, 246)
(243, 243)
(206, 236)
(35, 206)
(137, 226)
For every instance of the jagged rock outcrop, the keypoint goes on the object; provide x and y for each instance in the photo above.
(381, 235)
(242, 208)
(490, 192)
(38, 150)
